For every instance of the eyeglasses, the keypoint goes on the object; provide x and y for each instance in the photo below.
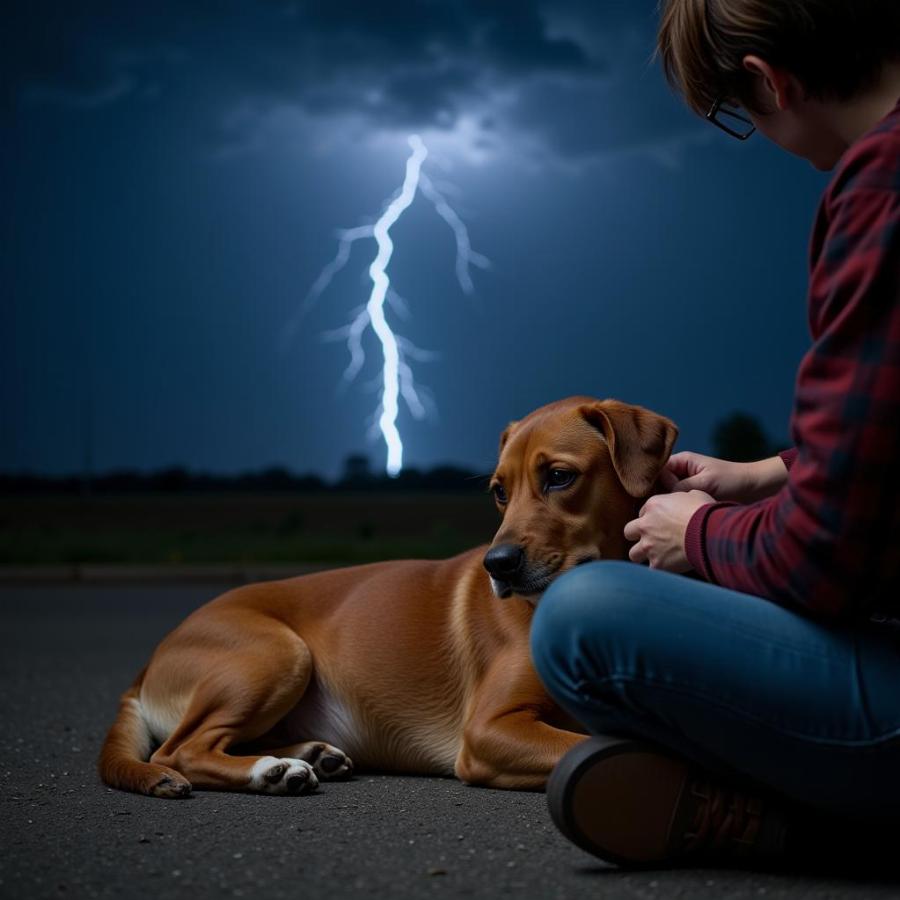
(730, 121)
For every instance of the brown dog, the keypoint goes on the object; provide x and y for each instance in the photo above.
(412, 666)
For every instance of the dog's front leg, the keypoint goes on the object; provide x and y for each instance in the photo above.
(506, 742)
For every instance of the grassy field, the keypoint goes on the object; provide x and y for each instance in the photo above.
(250, 528)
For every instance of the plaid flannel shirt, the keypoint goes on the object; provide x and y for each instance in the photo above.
(829, 540)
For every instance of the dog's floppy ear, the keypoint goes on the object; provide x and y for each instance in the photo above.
(505, 436)
(640, 441)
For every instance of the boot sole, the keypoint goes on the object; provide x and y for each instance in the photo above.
(616, 799)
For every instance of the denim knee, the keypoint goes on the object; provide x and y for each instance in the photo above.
(580, 610)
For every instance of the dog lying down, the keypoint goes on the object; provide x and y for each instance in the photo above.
(413, 666)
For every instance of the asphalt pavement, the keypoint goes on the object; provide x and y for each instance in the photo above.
(68, 651)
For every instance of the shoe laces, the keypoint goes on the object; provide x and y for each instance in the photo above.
(725, 818)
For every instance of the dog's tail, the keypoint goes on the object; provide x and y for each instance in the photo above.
(123, 758)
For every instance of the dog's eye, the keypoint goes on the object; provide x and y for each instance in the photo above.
(499, 493)
(560, 478)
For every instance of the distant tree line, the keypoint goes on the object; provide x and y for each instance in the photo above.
(357, 475)
(739, 437)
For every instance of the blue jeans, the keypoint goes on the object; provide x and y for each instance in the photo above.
(748, 689)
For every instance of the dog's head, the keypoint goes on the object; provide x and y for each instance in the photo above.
(569, 477)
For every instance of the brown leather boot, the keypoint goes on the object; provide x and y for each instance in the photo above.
(634, 804)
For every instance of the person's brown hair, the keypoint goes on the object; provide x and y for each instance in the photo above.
(835, 48)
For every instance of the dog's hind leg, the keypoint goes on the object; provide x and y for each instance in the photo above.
(239, 698)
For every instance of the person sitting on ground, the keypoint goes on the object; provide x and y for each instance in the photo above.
(752, 709)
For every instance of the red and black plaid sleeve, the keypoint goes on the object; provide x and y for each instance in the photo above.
(829, 541)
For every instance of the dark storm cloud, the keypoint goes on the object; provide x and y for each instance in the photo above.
(525, 67)
(505, 35)
(79, 48)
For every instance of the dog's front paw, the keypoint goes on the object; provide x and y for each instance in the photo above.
(271, 775)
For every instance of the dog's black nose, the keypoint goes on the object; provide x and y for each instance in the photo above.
(504, 560)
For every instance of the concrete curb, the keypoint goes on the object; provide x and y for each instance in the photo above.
(222, 573)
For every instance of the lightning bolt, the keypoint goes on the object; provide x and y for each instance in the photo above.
(397, 379)
(375, 307)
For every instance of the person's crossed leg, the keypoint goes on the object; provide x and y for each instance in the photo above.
(756, 699)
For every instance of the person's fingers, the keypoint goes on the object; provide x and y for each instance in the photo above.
(632, 531)
(679, 463)
(685, 464)
(636, 554)
(693, 483)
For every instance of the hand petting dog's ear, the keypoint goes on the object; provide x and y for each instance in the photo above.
(660, 528)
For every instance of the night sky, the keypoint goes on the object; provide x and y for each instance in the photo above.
(173, 175)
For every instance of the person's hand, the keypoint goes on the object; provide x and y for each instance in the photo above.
(723, 480)
(660, 527)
